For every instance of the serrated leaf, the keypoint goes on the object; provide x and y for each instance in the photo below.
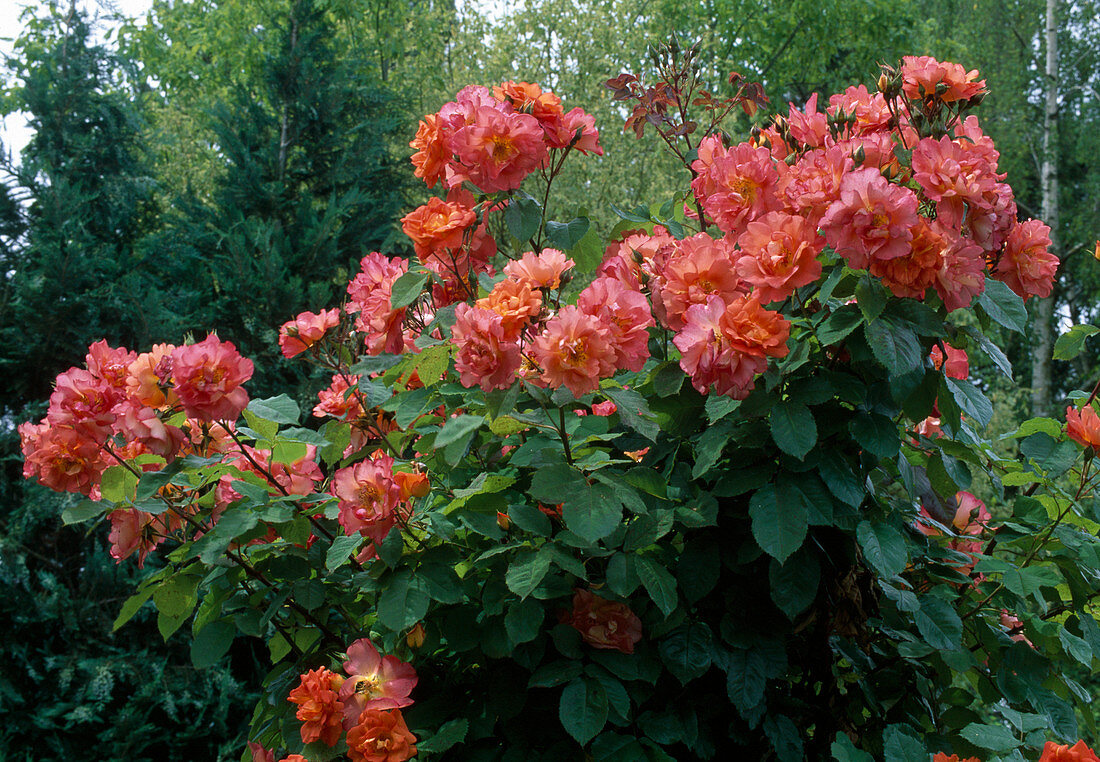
(900, 745)
(839, 324)
(1003, 305)
(407, 288)
(844, 750)
(633, 411)
(458, 428)
(526, 572)
(686, 651)
(939, 624)
(658, 582)
(82, 511)
(131, 607)
(340, 551)
(778, 525)
(883, 546)
(522, 217)
(970, 400)
(451, 733)
(1072, 342)
(793, 428)
(871, 296)
(993, 737)
(403, 602)
(566, 235)
(583, 709)
(894, 345)
(211, 643)
(794, 583)
(281, 409)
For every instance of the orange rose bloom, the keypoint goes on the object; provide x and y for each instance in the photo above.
(437, 225)
(603, 623)
(381, 736)
(516, 302)
(1079, 752)
(942, 757)
(319, 706)
(1083, 426)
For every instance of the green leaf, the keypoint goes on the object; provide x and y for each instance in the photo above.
(583, 709)
(634, 216)
(899, 745)
(991, 350)
(778, 524)
(448, 735)
(403, 602)
(794, 583)
(524, 620)
(883, 546)
(375, 364)
(970, 400)
(1076, 647)
(871, 296)
(746, 678)
(783, 734)
(592, 512)
(211, 643)
(340, 551)
(839, 324)
(658, 582)
(1030, 579)
(526, 572)
(1003, 305)
(522, 217)
(588, 253)
(1072, 342)
(939, 624)
(993, 737)
(281, 409)
(133, 603)
(845, 751)
(176, 596)
(793, 428)
(458, 428)
(82, 511)
(633, 411)
(566, 235)
(1050, 455)
(686, 651)
(894, 345)
(407, 288)
(117, 484)
(875, 433)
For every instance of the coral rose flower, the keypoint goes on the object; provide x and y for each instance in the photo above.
(368, 495)
(871, 219)
(432, 152)
(781, 255)
(149, 377)
(319, 706)
(702, 267)
(381, 736)
(61, 458)
(736, 185)
(486, 357)
(374, 681)
(516, 301)
(912, 273)
(369, 295)
(923, 77)
(626, 315)
(962, 275)
(208, 378)
(542, 270)
(1083, 426)
(956, 365)
(1027, 266)
(301, 333)
(84, 402)
(497, 150)
(338, 400)
(437, 225)
(603, 623)
(575, 351)
(109, 364)
(1079, 752)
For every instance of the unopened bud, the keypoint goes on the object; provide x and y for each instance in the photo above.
(504, 521)
(883, 82)
(859, 155)
(415, 638)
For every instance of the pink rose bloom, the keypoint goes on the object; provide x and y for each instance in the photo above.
(625, 314)
(84, 402)
(922, 77)
(1027, 266)
(956, 175)
(61, 458)
(637, 257)
(955, 365)
(138, 423)
(1083, 426)
(870, 109)
(338, 400)
(962, 276)
(808, 126)
(577, 129)
(368, 494)
(542, 270)
(486, 357)
(813, 182)
(602, 623)
(912, 273)
(374, 681)
(736, 185)
(872, 219)
(700, 268)
(369, 295)
(149, 377)
(722, 345)
(574, 350)
(131, 533)
(529, 98)
(109, 364)
(497, 150)
(780, 255)
(208, 379)
(432, 150)
(301, 333)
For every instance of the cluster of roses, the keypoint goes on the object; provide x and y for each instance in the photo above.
(886, 193)
(363, 706)
(145, 409)
(1052, 752)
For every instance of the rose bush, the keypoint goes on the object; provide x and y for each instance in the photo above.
(719, 502)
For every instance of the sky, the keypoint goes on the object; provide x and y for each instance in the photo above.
(14, 133)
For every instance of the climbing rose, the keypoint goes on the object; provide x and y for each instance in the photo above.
(603, 623)
(871, 219)
(780, 255)
(432, 152)
(486, 357)
(625, 314)
(516, 301)
(374, 681)
(149, 377)
(319, 706)
(1027, 266)
(575, 351)
(61, 458)
(542, 270)
(922, 77)
(700, 268)
(369, 295)
(497, 150)
(736, 185)
(381, 736)
(437, 225)
(956, 365)
(1079, 752)
(301, 333)
(1083, 426)
(367, 493)
(208, 379)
